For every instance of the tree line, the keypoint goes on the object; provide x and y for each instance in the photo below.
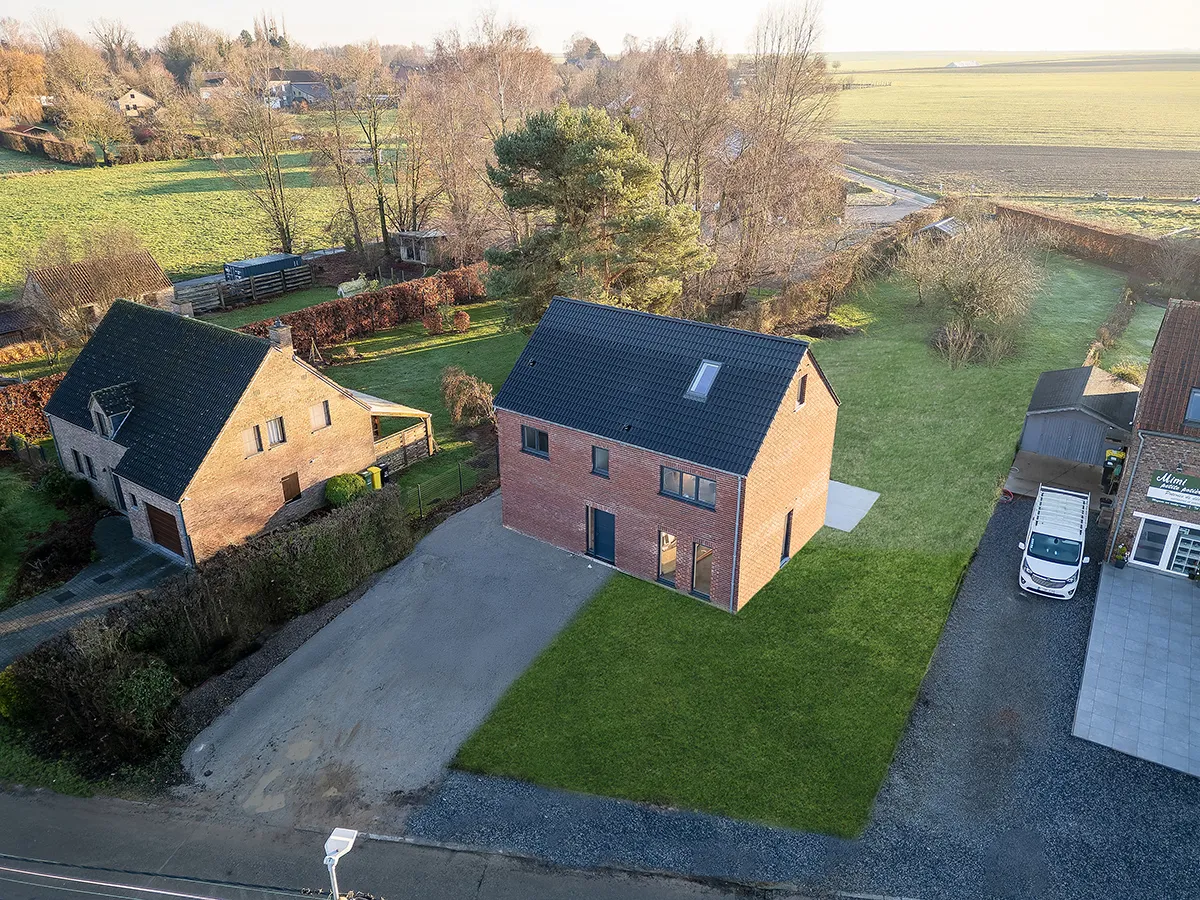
(670, 176)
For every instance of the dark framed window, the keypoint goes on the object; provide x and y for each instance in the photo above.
(802, 391)
(87, 461)
(101, 421)
(275, 432)
(702, 571)
(291, 487)
(252, 439)
(78, 461)
(666, 558)
(1192, 416)
(787, 539)
(600, 461)
(535, 441)
(318, 414)
(686, 486)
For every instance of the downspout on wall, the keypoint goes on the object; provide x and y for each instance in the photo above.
(1128, 488)
(737, 547)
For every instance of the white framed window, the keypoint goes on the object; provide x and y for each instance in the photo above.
(275, 432)
(318, 414)
(702, 381)
(1166, 545)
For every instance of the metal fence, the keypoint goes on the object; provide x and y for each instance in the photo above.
(423, 495)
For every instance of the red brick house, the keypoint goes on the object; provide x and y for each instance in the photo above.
(689, 454)
(1158, 517)
(203, 436)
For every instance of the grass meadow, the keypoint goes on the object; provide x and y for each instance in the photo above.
(188, 213)
(789, 712)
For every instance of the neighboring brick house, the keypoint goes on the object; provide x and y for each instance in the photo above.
(203, 436)
(1159, 515)
(72, 297)
(680, 452)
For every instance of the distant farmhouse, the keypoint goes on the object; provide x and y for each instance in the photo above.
(134, 104)
(71, 298)
(211, 84)
(203, 436)
(287, 87)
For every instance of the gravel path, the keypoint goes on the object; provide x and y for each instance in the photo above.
(988, 796)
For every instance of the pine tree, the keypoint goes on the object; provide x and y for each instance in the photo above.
(599, 229)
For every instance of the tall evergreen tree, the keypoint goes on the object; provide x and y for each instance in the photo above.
(599, 227)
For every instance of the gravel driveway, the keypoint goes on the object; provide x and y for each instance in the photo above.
(989, 795)
(367, 713)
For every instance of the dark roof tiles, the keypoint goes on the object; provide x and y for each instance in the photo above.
(623, 375)
(1174, 370)
(187, 377)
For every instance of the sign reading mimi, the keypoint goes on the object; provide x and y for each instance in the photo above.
(1176, 490)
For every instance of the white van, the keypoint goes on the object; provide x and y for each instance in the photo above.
(1053, 547)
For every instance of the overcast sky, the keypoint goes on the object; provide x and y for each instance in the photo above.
(848, 24)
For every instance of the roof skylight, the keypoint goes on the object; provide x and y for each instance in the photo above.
(703, 381)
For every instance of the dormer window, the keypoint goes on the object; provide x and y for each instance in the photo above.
(703, 380)
(103, 428)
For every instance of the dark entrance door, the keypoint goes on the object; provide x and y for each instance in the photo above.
(603, 534)
(120, 493)
(164, 529)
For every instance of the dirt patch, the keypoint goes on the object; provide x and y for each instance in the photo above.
(1009, 168)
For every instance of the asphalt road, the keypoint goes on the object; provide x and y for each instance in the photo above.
(900, 193)
(65, 848)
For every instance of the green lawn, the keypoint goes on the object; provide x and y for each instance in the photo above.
(11, 161)
(789, 712)
(1134, 346)
(187, 212)
(244, 315)
(29, 511)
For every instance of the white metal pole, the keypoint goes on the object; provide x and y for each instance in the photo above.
(333, 885)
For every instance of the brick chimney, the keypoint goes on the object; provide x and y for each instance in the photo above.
(182, 308)
(280, 336)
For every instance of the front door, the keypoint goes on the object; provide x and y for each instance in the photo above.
(120, 493)
(602, 535)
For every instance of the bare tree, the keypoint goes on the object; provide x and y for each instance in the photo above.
(91, 118)
(117, 44)
(22, 82)
(416, 189)
(372, 105)
(1177, 265)
(918, 262)
(333, 163)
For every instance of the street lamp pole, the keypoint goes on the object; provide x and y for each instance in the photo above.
(338, 845)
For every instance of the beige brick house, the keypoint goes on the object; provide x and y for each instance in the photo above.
(680, 452)
(204, 436)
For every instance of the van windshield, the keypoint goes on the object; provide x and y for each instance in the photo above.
(1054, 549)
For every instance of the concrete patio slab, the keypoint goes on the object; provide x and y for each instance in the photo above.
(1141, 682)
(847, 505)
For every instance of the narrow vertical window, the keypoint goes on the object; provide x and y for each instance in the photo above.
(600, 461)
(275, 432)
(666, 558)
(318, 414)
(78, 461)
(87, 461)
(802, 391)
(701, 571)
(787, 539)
(252, 438)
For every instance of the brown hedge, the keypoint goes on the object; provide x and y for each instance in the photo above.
(21, 407)
(350, 317)
(76, 153)
(1084, 239)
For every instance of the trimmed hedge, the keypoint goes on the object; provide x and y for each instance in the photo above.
(104, 693)
(21, 406)
(1085, 239)
(76, 153)
(343, 489)
(346, 318)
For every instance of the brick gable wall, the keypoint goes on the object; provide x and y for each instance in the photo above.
(790, 472)
(547, 499)
(1158, 453)
(234, 495)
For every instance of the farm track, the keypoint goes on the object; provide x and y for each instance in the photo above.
(1026, 169)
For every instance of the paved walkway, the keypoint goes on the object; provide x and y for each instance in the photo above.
(1141, 683)
(124, 567)
(847, 505)
(366, 715)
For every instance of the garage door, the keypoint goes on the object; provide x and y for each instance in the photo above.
(164, 529)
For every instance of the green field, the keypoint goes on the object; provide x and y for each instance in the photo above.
(1159, 109)
(187, 213)
(11, 161)
(789, 712)
(1150, 217)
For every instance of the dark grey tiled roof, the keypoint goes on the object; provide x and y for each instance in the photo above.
(186, 378)
(115, 399)
(16, 318)
(622, 374)
(1085, 388)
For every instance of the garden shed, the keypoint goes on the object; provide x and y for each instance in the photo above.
(1076, 414)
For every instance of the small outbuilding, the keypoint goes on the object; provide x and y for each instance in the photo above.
(1077, 414)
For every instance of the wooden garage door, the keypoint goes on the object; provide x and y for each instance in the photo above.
(164, 529)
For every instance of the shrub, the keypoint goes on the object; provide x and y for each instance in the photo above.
(1134, 373)
(462, 321)
(466, 283)
(79, 491)
(17, 441)
(468, 399)
(433, 323)
(106, 689)
(342, 489)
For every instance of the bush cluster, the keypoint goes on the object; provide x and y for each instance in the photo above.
(343, 489)
(75, 153)
(433, 322)
(104, 693)
(21, 407)
(349, 317)
(462, 321)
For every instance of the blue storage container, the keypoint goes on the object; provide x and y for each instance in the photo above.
(262, 265)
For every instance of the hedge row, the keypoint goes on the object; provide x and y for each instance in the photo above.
(21, 407)
(76, 153)
(801, 301)
(1084, 239)
(350, 317)
(105, 692)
